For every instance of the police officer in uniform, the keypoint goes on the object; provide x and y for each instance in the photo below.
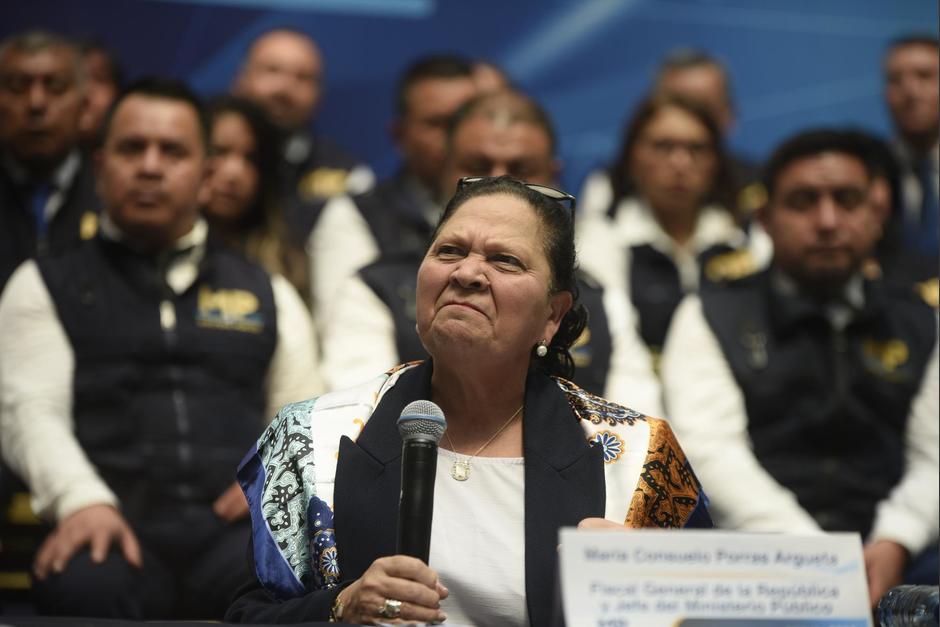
(283, 74)
(398, 215)
(670, 214)
(47, 194)
(137, 368)
(373, 326)
(808, 393)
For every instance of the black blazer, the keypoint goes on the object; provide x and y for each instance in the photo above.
(564, 479)
(564, 483)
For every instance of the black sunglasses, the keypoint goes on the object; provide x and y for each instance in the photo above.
(565, 199)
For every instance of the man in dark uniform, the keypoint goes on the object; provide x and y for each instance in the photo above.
(47, 197)
(283, 74)
(136, 369)
(912, 82)
(807, 393)
(399, 214)
(374, 323)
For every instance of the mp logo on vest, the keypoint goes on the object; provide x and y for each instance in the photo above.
(229, 310)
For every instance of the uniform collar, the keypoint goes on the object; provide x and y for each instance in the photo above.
(61, 178)
(906, 155)
(181, 261)
(637, 226)
(790, 306)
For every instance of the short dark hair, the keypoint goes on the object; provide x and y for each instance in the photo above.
(36, 40)
(684, 58)
(817, 141)
(913, 39)
(558, 232)
(165, 89)
(623, 186)
(444, 66)
(509, 103)
(115, 69)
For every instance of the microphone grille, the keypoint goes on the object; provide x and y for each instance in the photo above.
(421, 420)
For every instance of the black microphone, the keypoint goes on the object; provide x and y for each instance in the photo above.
(421, 426)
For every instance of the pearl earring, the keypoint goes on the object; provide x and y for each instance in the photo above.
(542, 349)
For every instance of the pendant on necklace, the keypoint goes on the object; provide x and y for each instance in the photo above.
(460, 470)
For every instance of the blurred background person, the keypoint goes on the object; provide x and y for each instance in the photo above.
(373, 326)
(283, 72)
(893, 260)
(912, 93)
(136, 369)
(243, 205)
(811, 385)
(670, 227)
(489, 77)
(525, 451)
(400, 213)
(103, 77)
(695, 75)
(47, 195)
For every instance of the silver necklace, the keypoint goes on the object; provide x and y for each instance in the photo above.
(460, 469)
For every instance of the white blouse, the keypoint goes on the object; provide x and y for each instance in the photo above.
(478, 540)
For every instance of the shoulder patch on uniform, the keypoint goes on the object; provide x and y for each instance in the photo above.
(871, 269)
(88, 227)
(751, 198)
(929, 291)
(731, 265)
(322, 182)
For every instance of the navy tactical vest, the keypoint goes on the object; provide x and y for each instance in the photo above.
(655, 289)
(168, 389)
(75, 220)
(827, 409)
(395, 218)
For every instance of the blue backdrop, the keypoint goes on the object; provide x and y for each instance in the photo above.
(795, 63)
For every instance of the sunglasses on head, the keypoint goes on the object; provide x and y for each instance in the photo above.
(565, 199)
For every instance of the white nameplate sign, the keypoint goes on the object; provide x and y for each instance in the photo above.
(673, 578)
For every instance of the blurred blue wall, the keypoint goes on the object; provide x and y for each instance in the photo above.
(795, 63)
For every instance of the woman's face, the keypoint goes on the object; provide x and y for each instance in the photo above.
(483, 288)
(673, 162)
(233, 175)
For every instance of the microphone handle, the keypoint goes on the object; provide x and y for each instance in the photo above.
(418, 470)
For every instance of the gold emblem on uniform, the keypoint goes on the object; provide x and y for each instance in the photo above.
(871, 269)
(580, 352)
(230, 310)
(889, 354)
(751, 198)
(88, 227)
(322, 182)
(929, 290)
(731, 265)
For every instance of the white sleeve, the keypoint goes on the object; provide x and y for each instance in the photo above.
(340, 244)
(707, 411)
(596, 195)
(36, 426)
(359, 343)
(909, 516)
(293, 374)
(600, 252)
(630, 379)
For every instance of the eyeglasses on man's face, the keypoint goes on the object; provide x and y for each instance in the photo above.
(565, 199)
